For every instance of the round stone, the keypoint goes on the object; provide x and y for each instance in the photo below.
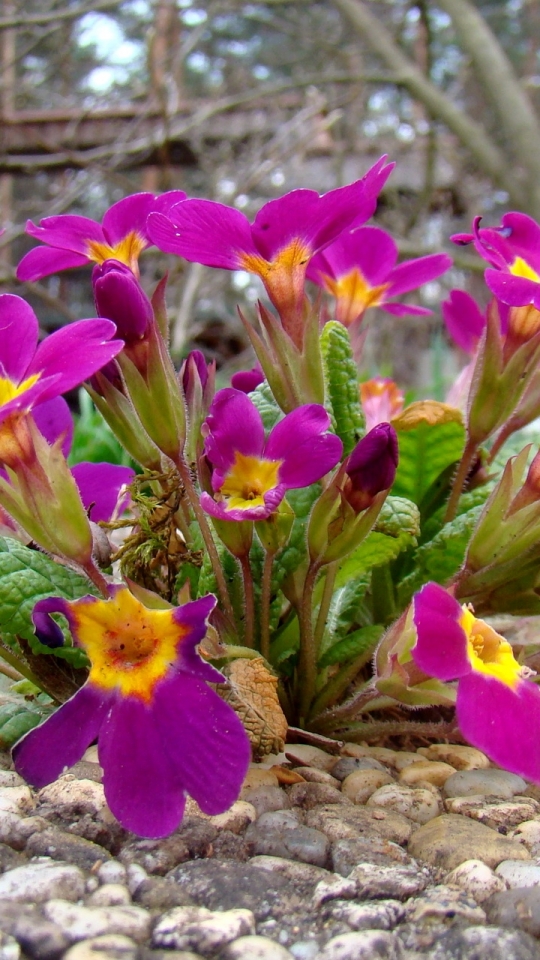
(477, 879)
(360, 785)
(417, 804)
(496, 783)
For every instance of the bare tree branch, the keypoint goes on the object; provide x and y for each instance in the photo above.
(70, 13)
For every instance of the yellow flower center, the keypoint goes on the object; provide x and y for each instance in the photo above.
(353, 294)
(248, 480)
(130, 646)
(520, 268)
(10, 390)
(126, 251)
(488, 652)
(285, 263)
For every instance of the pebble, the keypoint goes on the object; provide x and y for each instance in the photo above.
(431, 771)
(476, 879)
(38, 937)
(8, 778)
(528, 833)
(266, 798)
(444, 903)
(496, 783)
(73, 797)
(255, 948)
(449, 840)
(483, 943)
(109, 895)
(418, 804)
(42, 880)
(303, 754)
(313, 775)
(458, 756)
(365, 945)
(347, 765)
(346, 854)
(135, 876)
(199, 929)
(110, 946)
(341, 823)
(503, 813)
(309, 795)
(236, 818)
(60, 845)
(292, 842)
(306, 873)
(379, 915)
(160, 856)
(516, 908)
(258, 776)
(383, 754)
(515, 873)
(359, 786)
(334, 888)
(395, 881)
(405, 759)
(80, 923)
(16, 799)
(9, 948)
(112, 871)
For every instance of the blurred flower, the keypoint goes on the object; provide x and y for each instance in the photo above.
(247, 380)
(162, 732)
(72, 241)
(251, 474)
(498, 707)
(381, 399)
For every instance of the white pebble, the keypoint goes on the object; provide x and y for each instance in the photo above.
(477, 879)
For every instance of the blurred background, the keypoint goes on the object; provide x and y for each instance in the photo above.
(242, 102)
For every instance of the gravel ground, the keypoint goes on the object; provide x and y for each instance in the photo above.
(375, 854)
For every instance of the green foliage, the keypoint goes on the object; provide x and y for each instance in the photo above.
(263, 399)
(341, 381)
(397, 529)
(25, 577)
(343, 612)
(93, 439)
(18, 716)
(294, 553)
(425, 452)
(353, 645)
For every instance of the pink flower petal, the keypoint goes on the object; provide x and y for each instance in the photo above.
(441, 644)
(464, 320)
(127, 216)
(515, 291)
(414, 273)
(42, 261)
(68, 232)
(233, 425)
(307, 451)
(53, 419)
(99, 486)
(203, 231)
(19, 330)
(76, 351)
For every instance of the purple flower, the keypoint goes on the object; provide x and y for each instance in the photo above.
(513, 252)
(73, 241)
(162, 731)
(119, 296)
(285, 234)
(32, 373)
(251, 474)
(247, 380)
(498, 708)
(359, 270)
(464, 320)
(371, 467)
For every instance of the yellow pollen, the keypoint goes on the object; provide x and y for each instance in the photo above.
(285, 262)
(130, 646)
(488, 652)
(520, 268)
(354, 295)
(248, 480)
(9, 390)
(126, 251)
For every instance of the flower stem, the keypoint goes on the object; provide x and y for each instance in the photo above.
(249, 603)
(326, 600)
(96, 577)
(459, 480)
(307, 667)
(206, 533)
(266, 592)
(18, 666)
(335, 718)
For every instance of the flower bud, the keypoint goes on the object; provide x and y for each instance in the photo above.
(523, 323)
(119, 297)
(371, 467)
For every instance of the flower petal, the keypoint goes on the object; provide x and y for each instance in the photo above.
(464, 320)
(127, 216)
(233, 425)
(369, 249)
(19, 330)
(68, 232)
(141, 786)
(53, 419)
(220, 510)
(405, 310)
(204, 741)
(515, 291)
(441, 642)
(44, 753)
(300, 441)
(203, 231)
(502, 722)
(42, 261)
(414, 273)
(76, 351)
(99, 486)
(194, 617)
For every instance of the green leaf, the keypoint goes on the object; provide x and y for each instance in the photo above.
(269, 410)
(424, 453)
(354, 644)
(17, 717)
(397, 529)
(25, 577)
(399, 518)
(343, 612)
(341, 382)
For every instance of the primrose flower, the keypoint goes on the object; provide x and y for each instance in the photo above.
(162, 732)
(32, 373)
(464, 320)
(251, 474)
(513, 253)
(247, 380)
(285, 234)
(371, 467)
(359, 270)
(381, 399)
(72, 241)
(498, 707)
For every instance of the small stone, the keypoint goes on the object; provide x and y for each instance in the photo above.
(432, 771)
(406, 759)
(60, 845)
(255, 948)
(341, 823)
(496, 783)
(365, 945)
(42, 880)
(418, 805)
(9, 858)
(135, 876)
(503, 813)
(296, 843)
(347, 765)
(528, 833)
(110, 895)
(483, 943)
(9, 948)
(304, 949)
(258, 776)
(476, 879)
(347, 854)
(226, 885)
(71, 797)
(83, 770)
(313, 775)
(360, 785)
(112, 871)
(397, 881)
(383, 754)
(449, 840)
(199, 929)
(17, 799)
(516, 908)
(8, 778)
(379, 915)
(334, 888)
(157, 856)
(458, 756)
(236, 818)
(518, 874)
(110, 946)
(303, 754)
(277, 820)
(39, 938)
(292, 869)
(266, 798)
(81, 923)
(9, 823)
(309, 795)
(444, 903)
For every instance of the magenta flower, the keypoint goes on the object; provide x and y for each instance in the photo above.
(72, 241)
(119, 297)
(247, 380)
(285, 234)
(464, 320)
(513, 252)
(359, 270)
(162, 731)
(498, 707)
(32, 373)
(371, 467)
(251, 474)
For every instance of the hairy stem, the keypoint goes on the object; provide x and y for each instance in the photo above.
(266, 593)
(307, 668)
(326, 600)
(96, 577)
(459, 480)
(249, 603)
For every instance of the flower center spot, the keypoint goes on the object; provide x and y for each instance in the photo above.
(248, 480)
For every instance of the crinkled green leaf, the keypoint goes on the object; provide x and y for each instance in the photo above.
(17, 717)
(343, 612)
(354, 644)
(269, 410)
(341, 382)
(399, 517)
(25, 577)
(400, 520)
(424, 453)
